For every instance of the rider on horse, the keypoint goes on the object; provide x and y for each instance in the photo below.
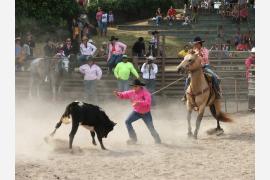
(203, 52)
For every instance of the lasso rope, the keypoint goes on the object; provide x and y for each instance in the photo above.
(168, 85)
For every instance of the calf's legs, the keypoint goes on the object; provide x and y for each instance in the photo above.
(93, 137)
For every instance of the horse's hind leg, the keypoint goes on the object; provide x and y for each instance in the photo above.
(93, 137)
(198, 120)
(216, 110)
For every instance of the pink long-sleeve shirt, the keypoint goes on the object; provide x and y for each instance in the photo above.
(249, 61)
(141, 99)
(119, 48)
(204, 54)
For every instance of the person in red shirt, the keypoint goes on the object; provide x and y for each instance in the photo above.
(250, 61)
(171, 15)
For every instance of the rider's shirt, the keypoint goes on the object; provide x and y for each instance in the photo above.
(204, 53)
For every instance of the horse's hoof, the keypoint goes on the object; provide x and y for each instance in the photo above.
(219, 132)
(211, 131)
(190, 134)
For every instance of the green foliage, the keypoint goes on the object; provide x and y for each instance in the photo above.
(127, 10)
(44, 14)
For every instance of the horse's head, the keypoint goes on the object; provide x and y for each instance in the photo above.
(191, 62)
(64, 64)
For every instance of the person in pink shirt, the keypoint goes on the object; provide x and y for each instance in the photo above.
(116, 51)
(204, 54)
(141, 102)
(99, 18)
(250, 61)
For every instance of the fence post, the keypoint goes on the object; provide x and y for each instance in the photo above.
(163, 63)
(236, 94)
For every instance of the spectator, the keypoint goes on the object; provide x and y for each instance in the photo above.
(98, 18)
(116, 50)
(237, 38)
(158, 16)
(194, 10)
(86, 30)
(111, 18)
(49, 49)
(250, 61)
(149, 70)
(235, 13)
(104, 21)
(187, 21)
(244, 14)
(19, 55)
(76, 32)
(141, 102)
(122, 72)
(153, 44)
(171, 15)
(87, 50)
(68, 48)
(138, 48)
(183, 52)
(92, 73)
(242, 46)
(103, 50)
(31, 44)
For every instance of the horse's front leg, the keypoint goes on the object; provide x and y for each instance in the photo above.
(198, 120)
(189, 108)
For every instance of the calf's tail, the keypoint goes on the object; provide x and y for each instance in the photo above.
(63, 118)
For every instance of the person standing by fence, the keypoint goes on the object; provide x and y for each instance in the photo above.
(87, 50)
(250, 61)
(141, 102)
(98, 18)
(149, 70)
(122, 73)
(92, 73)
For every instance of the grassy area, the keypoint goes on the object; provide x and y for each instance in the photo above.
(172, 47)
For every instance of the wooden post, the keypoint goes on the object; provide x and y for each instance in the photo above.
(235, 94)
(163, 63)
(158, 46)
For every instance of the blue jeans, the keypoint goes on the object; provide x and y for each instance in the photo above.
(114, 60)
(99, 25)
(158, 19)
(147, 118)
(90, 90)
(150, 84)
(122, 85)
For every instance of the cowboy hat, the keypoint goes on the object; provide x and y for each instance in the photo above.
(137, 82)
(113, 38)
(151, 58)
(125, 57)
(84, 38)
(253, 50)
(197, 39)
(91, 41)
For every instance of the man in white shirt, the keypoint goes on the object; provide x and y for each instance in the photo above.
(104, 22)
(149, 70)
(92, 73)
(87, 50)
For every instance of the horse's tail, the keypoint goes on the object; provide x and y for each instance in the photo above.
(218, 114)
(224, 117)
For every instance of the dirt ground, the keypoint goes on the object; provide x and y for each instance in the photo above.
(230, 156)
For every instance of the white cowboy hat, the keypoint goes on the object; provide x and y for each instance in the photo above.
(90, 41)
(253, 50)
(151, 58)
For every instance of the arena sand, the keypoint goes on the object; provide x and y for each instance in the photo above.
(230, 156)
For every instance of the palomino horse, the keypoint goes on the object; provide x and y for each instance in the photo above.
(200, 94)
(48, 70)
